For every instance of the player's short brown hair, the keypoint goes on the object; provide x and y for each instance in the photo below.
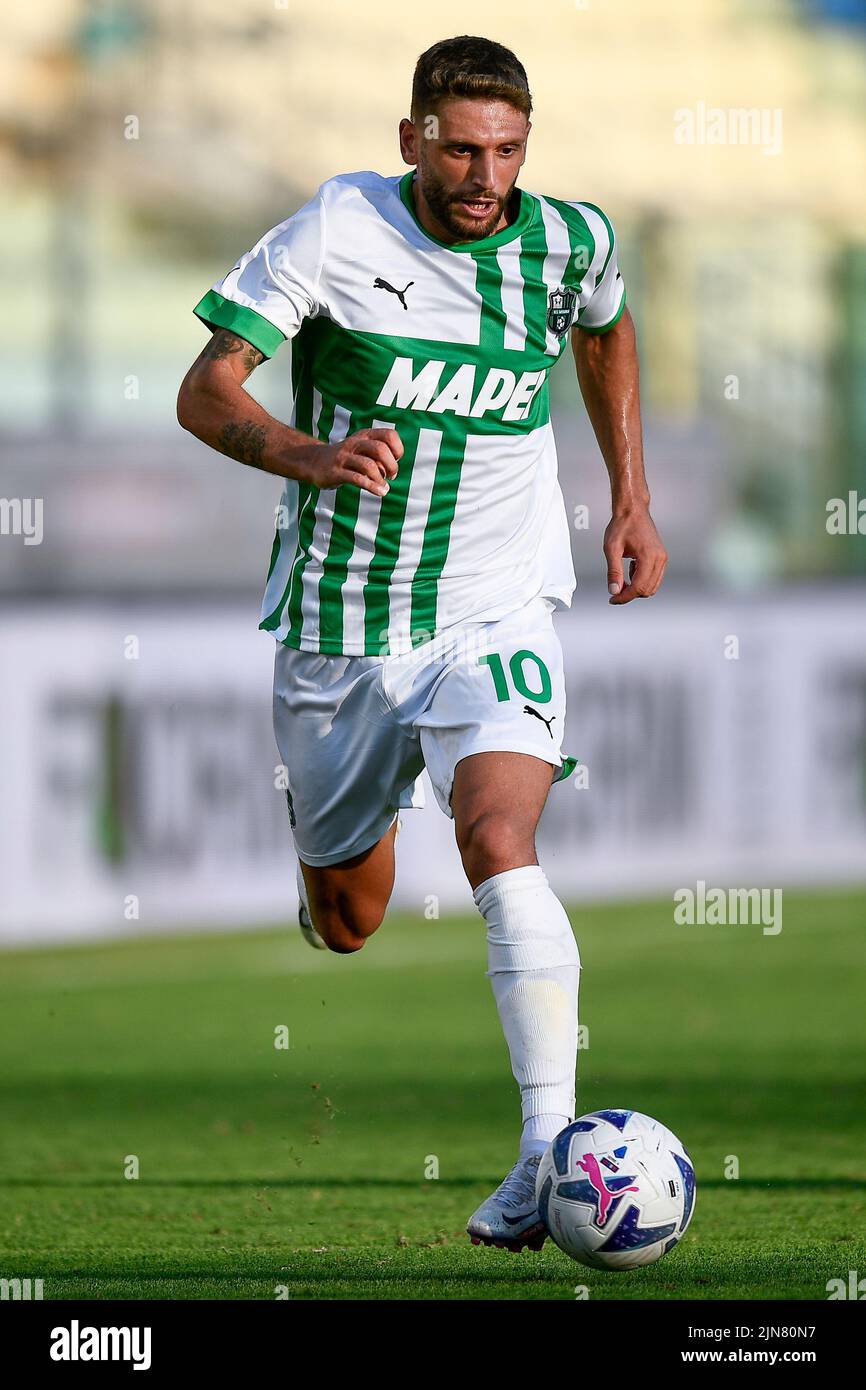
(468, 66)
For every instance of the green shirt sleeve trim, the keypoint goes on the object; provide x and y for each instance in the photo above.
(587, 328)
(218, 312)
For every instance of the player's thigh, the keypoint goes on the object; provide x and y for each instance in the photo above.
(511, 788)
(502, 695)
(348, 766)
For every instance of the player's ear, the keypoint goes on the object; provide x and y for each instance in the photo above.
(408, 141)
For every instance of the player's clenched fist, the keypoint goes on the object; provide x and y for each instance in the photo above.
(367, 459)
(633, 536)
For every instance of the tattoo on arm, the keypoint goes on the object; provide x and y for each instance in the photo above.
(225, 343)
(244, 441)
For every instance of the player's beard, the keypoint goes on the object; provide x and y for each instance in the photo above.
(444, 206)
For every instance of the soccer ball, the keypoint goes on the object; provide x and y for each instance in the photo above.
(616, 1189)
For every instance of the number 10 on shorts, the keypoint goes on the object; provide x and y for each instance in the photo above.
(538, 674)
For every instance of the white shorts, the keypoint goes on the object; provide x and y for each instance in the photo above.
(354, 732)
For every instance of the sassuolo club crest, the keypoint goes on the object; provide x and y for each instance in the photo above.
(561, 305)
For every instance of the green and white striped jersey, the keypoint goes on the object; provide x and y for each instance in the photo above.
(451, 345)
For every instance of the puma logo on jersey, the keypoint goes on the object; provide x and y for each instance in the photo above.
(527, 709)
(500, 389)
(380, 284)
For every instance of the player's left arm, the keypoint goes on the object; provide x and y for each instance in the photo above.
(607, 370)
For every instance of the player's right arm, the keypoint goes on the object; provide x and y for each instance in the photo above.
(213, 405)
(259, 304)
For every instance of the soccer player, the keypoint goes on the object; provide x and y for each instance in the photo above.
(422, 543)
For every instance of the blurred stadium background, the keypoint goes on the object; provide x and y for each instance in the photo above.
(143, 147)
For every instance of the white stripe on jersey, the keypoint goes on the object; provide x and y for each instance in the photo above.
(283, 629)
(412, 536)
(317, 411)
(508, 258)
(555, 262)
(321, 537)
(364, 547)
(523, 488)
(598, 228)
(276, 585)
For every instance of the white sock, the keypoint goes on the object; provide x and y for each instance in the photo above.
(538, 1131)
(534, 969)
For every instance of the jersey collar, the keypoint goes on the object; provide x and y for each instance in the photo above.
(517, 228)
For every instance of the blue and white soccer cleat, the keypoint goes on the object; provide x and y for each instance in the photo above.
(509, 1219)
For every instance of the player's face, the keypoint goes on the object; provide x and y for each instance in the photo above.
(468, 153)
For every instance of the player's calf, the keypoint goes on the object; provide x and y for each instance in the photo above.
(346, 902)
(344, 923)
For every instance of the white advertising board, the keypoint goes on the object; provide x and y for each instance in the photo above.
(718, 740)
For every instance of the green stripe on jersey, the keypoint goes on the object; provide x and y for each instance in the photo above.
(437, 536)
(533, 249)
(386, 551)
(307, 494)
(218, 312)
(488, 285)
(275, 550)
(336, 564)
(355, 366)
(307, 517)
(580, 239)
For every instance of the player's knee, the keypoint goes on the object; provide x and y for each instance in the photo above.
(492, 838)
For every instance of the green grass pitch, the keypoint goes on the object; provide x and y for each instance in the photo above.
(304, 1168)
